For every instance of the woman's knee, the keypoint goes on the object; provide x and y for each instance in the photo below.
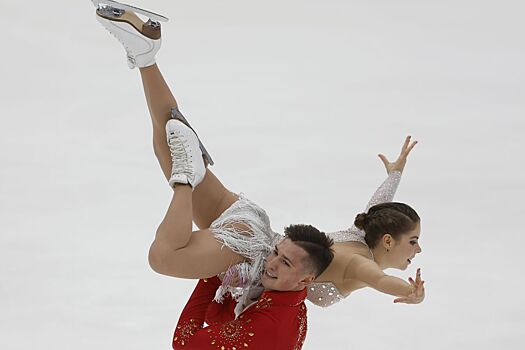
(167, 261)
(155, 258)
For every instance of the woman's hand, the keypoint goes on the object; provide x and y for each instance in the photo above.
(399, 164)
(418, 291)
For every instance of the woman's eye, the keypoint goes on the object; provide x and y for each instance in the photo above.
(284, 261)
(413, 243)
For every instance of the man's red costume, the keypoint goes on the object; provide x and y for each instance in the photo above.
(277, 320)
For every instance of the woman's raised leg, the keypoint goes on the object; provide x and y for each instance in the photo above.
(182, 253)
(176, 250)
(210, 198)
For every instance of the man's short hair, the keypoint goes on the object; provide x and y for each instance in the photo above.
(316, 244)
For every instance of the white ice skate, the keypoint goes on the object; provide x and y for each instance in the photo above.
(186, 156)
(141, 39)
(176, 114)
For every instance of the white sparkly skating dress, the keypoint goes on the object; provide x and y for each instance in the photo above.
(325, 293)
(257, 240)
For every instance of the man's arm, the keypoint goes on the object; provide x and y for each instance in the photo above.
(250, 329)
(194, 313)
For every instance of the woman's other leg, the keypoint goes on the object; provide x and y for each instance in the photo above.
(179, 252)
(210, 198)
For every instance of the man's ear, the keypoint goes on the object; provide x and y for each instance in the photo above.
(307, 280)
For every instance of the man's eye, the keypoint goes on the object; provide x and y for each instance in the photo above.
(413, 243)
(275, 252)
(286, 263)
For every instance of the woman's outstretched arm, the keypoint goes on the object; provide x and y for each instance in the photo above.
(386, 191)
(365, 270)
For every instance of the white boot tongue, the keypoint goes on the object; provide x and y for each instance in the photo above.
(187, 163)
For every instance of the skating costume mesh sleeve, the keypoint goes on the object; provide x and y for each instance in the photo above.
(385, 193)
(326, 294)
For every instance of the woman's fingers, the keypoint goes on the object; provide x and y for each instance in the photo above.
(384, 160)
(406, 300)
(417, 281)
(417, 295)
(400, 162)
(405, 144)
(407, 147)
(420, 292)
(411, 146)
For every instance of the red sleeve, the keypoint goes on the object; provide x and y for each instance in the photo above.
(253, 331)
(193, 315)
(221, 312)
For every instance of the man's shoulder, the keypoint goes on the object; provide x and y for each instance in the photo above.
(276, 308)
(291, 299)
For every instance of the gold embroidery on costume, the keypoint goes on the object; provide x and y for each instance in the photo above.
(185, 331)
(302, 323)
(233, 335)
(263, 303)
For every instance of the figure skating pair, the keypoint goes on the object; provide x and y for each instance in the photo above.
(235, 240)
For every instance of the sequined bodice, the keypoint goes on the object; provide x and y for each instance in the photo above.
(326, 294)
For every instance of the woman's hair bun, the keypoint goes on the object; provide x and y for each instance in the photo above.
(360, 221)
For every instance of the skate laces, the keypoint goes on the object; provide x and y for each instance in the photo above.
(179, 156)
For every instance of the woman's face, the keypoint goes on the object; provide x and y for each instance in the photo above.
(405, 249)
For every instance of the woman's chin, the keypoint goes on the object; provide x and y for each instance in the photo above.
(402, 268)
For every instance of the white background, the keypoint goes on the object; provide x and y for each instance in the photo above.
(294, 99)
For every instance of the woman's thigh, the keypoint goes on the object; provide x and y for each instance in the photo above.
(202, 257)
(210, 199)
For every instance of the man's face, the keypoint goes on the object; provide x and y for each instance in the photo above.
(287, 268)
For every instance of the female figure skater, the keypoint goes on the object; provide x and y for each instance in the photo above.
(234, 236)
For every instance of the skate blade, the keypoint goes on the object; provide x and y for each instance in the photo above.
(205, 154)
(151, 32)
(151, 15)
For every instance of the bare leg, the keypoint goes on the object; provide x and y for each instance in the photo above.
(179, 252)
(210, 198)
(176, 250)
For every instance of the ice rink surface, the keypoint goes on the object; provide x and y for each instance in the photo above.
(294, 100)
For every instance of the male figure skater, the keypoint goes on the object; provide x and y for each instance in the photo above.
(274, 320)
